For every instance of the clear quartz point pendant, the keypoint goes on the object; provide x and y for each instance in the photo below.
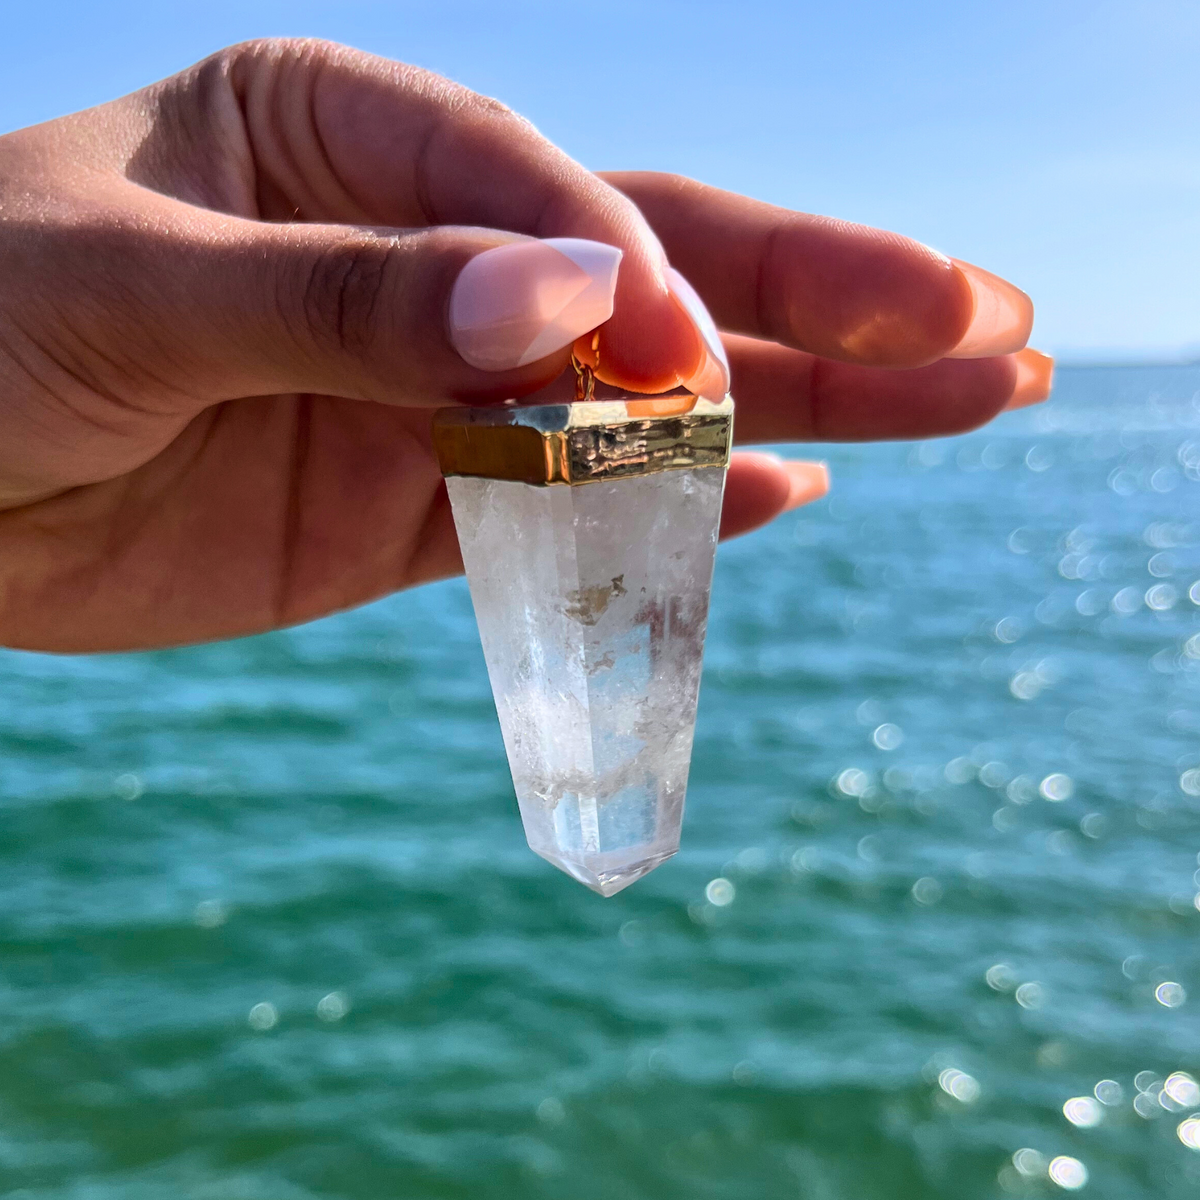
(588, 531)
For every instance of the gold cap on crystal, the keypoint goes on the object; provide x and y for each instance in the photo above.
(584, 442)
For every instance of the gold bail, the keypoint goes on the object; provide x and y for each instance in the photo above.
(585, 376)
(581, 443)
(585, 380)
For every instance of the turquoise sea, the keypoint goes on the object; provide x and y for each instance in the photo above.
(269, 930)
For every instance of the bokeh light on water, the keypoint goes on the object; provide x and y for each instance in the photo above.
(268, 926)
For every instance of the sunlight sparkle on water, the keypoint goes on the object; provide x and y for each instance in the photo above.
(1001, 978)
(333, 1007)
(1022, 790)
(1170, 994)
(1030, 1164)
(994, 774)
(1126, 602)
(960, 770)
(263, 1016)
(1182, 1089)
(1161, 597)
(1031, 994)
(852, 782)
(1068, 1172)
(128, 786)
(960, 1085)
(888, 736)
(1057, 787)
(1083, 1111)
(1189, 1133)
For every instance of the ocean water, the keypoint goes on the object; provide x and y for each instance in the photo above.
(268, 928)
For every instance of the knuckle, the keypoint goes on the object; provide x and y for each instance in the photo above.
(276, 50)
(265, 62)
(342, 299)
(472, 123)
(675, 184)
(490, 119)
(489, 109)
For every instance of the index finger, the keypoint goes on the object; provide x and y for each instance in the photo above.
(833, 288)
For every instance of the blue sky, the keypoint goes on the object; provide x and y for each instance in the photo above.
(1056, 143)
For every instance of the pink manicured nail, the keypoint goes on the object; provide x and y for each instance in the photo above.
(1003, 315)
(1035, 376)
(520, 302)
(711, 380)
(809, 481)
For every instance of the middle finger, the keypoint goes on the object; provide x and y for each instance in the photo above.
(786, 395)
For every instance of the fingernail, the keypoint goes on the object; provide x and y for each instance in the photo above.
(520, 302)
(711, 378)
(1003, 315)
(808, 481)
(1035, 375)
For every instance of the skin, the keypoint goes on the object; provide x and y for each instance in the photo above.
(222, 333)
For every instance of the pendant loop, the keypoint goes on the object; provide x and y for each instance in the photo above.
(585, 380)
(585, 376)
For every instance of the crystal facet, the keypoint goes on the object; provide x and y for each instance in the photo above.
(592, 603)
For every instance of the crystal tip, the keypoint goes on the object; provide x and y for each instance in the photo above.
(610, 878)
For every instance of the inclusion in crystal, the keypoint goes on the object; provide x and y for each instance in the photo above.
(592, 603)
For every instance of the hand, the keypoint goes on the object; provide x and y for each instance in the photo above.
(223, 323)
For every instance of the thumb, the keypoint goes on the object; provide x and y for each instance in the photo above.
(228, 307)
(219, 307)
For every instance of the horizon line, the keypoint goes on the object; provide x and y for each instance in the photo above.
(1091, 364)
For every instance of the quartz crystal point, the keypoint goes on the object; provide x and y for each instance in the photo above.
(588, 532)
